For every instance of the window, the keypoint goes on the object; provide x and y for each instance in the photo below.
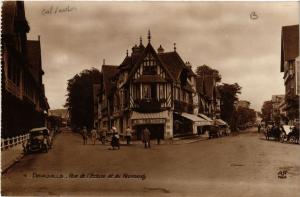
(149, 65)
(177, 93)
(153, 91)
(146, 91)
(161, 91)
(136, 91)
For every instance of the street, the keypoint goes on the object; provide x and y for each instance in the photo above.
(242, 165)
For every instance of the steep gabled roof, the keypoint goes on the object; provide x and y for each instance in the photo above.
(130, 61)
(109, 71)
(209, 87)
(199, 85)
(34, 58)
(289, 44)
(141, 57)
(174, 64)
(205, 86)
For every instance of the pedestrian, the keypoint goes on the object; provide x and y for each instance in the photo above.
(258, 128)
(158, 137)
(84, 135)
(115, 140)
(146, 137)
(103, 136)
(128, 135)
(94, 135)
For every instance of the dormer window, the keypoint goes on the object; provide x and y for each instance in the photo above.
(149, 65)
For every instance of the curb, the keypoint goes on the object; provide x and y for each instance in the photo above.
(6, 167)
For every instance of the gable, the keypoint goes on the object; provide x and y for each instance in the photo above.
(149, 64)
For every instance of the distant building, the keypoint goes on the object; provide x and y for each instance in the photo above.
(290, 67)
(149, 89)
(61, 113)
(24, 104)
(276, 106)
(243, 103)
(208, 96)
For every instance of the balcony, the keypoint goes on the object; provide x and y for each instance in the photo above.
(148, 105)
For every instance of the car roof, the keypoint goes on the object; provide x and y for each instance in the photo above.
(38, 129)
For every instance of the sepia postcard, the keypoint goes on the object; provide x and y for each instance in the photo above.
(150, 98)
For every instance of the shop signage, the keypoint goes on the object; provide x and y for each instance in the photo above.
(149, 121)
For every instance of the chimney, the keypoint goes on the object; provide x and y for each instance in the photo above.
(188, 64)
(160, 49)
(135, 50)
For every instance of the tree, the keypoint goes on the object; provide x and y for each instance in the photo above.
(228, 93)
(206, 71)
(80, 97)
(266, 110)
(245, 115)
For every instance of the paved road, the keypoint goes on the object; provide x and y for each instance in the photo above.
(243, 165)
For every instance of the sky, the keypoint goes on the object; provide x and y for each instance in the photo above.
(79, 35)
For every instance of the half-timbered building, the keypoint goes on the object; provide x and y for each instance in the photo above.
(24, 104)
(150, 89)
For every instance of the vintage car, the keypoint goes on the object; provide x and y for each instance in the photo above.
(39, 140)
(214, 132)
(289, 134)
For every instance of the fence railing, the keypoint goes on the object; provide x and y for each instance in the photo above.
(14, 141)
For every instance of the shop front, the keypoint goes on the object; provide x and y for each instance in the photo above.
(155, 122)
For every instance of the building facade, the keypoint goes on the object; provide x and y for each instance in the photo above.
(150, 89)
(290, 67)
(24, 104)
(277, 102)
(208, 97)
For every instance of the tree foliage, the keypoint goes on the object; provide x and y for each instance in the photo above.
(206, 71)
(80, 97)
(245, 115)
(229, 95)
(267, 111)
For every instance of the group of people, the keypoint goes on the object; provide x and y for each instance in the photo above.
(115, 138)
(85, 135)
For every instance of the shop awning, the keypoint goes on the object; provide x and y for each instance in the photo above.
(196, 119)
(143, 116)
(205, 117)
(220, 122)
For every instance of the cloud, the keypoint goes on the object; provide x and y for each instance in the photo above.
(219, 34)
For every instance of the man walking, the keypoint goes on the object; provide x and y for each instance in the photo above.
(128, 135)
(146, 137)
(94, 135)
(84, 135)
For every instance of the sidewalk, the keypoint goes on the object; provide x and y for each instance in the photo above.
(175, 141)
(11, 156)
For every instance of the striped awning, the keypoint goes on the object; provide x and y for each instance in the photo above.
(205, 117)
(220, 122)
(196, 119)
(143, 116)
